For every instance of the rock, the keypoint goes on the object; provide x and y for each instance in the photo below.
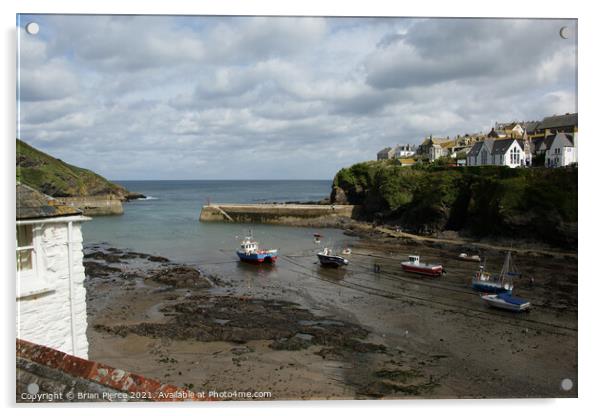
(181, 277)
(158, 259)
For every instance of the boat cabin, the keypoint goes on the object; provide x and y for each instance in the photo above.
(248, 245)
(414, 259)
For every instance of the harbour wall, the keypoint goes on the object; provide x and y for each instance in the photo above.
(95, 205)
(284, 214)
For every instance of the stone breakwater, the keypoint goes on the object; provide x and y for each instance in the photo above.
(285, 214)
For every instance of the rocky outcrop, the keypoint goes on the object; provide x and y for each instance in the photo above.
(535, 204)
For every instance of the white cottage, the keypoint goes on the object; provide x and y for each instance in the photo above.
(480, 153)
(51, 297)
(562, 151)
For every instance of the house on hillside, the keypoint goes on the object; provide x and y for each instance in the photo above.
(425, 147)
(562, 151)
(502, 152)
(480, 153)
(508, 152)
(404, 151)
(510, 130)
(51, 297)
(566, 123)
(385, 154)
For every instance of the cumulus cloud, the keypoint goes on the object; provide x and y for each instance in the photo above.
(169, 97)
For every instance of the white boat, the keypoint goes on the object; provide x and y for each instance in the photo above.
(466, 257)
(506, 301)
(328, 258)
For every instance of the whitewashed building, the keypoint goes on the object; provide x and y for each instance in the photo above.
(562, 151)
(502, 152)
(403, 151)
(51, 297)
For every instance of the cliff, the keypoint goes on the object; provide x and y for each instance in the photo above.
(81, 187)
(535, 204)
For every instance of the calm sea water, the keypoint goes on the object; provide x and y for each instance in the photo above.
(167, 223)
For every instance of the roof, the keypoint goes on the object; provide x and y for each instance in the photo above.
(407, 161)
(565, 140)
(564, 120)
(385, 150)
(502, 146)
(32, 204)
(476, 148)
(531, 126)
(55, 372)
(492, 133)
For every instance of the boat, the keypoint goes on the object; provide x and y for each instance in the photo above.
(317, 238)
(413, 265)
(483, 281)
(328, 258)
(466, 257)
(346, 251)
(506, 301)
(249, 252)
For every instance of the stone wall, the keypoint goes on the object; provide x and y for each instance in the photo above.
(95, 205)
(45, 318)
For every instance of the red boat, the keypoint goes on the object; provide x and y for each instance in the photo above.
(413, 265)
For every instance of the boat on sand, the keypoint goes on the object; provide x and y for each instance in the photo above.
(413, 265)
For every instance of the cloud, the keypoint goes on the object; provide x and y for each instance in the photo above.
(170, 97)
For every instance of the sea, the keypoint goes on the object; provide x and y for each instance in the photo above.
(166, 223)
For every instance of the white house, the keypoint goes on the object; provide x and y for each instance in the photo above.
(403, 151)
(562, 151)
(508, 152)
(51, 297)
(502, 152)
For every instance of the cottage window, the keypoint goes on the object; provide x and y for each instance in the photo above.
(25, 249)
(29, 280)
(483, 158)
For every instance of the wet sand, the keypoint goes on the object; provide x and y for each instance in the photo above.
(386, 335)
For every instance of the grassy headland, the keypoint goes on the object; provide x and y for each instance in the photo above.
(59, 179)
(486, 201)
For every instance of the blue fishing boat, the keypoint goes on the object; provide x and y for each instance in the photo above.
(249, 252)
(483, 281)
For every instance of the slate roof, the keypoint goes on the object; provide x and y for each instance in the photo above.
(476, 148)
(558, 121)
(502, 146)
(32, 204)
(531, 126)
(566, 139)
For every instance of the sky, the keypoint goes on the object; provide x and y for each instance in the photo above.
(193, 97)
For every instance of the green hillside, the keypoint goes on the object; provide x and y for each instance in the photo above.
(59, 179)
(536, 204)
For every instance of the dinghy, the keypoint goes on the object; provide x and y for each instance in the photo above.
(506, 301)
(466, 257)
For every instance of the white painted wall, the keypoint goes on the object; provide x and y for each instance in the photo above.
(558, 155)
(46, 318)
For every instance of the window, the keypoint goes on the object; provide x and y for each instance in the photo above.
(25, 249)
(483, 158)
(29, 279)
(514, 156)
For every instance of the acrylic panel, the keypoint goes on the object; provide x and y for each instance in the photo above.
(284, 208)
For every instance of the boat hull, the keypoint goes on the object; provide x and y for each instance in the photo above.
(257, 258)
(489, 287)
(426, 270)
(496, 302)
(332, 261)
